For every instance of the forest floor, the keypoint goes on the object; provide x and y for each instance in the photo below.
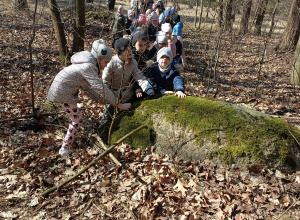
(147, 186)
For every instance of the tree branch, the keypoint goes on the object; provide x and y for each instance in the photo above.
(94, 161)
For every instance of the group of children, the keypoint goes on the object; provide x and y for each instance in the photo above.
(119, 79)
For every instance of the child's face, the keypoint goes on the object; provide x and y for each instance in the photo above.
(161, 45)
(155, 22)
(164, 62)
(103, 63)
(120, 11)
(126, 54)
(169, 34)
(167, 17)
(140, 45)
(131, 17)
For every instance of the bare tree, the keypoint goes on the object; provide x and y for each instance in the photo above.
(245, 16)
(196, 14)
(228, 15)
(295, 73)
(273, 17)
(21, 4)
(292, 30)
(220, 12)
(200, 14)
(58, 26)
(78, 40)
(260, 16)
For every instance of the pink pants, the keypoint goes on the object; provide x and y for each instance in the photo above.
(73, 112)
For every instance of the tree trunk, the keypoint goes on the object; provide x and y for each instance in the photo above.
(295, 73)
(58, 26)
(200, 15)
(260, 16)
(220, 10)
(273, 18)
(191, 4)
(196, 15)
(21, 4)
(78, 34)
(245, 16)
(292, 30)
(89, 1)
(228, 16)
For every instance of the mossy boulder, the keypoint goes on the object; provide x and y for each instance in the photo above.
(197, 128)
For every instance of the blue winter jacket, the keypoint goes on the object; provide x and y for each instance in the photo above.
(165, 82)
(178, 29)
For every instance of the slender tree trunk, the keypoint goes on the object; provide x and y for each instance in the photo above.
(196, 14)
(200, 15)
(295, 73)
(21, 4)
(260, 16)
(58, 26)
(228, 16)
(273, 18)
(220, 10)
(78, 39)
(292, 30)
(245, 16)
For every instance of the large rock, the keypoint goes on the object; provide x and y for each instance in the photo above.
(196, 129)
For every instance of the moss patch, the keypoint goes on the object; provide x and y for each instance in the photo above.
(244, 134)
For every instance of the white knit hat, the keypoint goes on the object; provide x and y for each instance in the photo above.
(101, 50)
(161, 37)
(165, 51)
(166, 27)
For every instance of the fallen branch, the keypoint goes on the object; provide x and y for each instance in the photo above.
(94, 161)
(105, 148)
(26, 116)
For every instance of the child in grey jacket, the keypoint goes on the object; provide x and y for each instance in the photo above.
(120, 74)
(83, 75)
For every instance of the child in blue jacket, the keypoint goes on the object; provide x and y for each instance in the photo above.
(163, 76)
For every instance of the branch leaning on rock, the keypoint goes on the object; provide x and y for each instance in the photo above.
(94, 161)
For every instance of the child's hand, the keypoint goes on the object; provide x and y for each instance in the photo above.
(139, 94)
(125, 106)
(110, 28)
(168, 92)
(180, 94)
(152, 94)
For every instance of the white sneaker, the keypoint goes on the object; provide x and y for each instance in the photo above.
(64, 151)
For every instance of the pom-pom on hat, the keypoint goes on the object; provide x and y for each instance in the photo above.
(166, 27)
(161, 37)
(154, 6)
(138, 35)
(130, 13)
(167, 13)
(101, 50)
(165, 51)
(120, 7)
(120, 45)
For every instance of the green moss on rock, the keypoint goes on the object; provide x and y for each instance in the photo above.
(234, 131)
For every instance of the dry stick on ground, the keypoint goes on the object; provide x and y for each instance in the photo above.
(94, 161)
(27, 116)
(105, 148)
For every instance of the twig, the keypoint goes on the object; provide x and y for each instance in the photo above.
(102, 211)
(26, 116)
(94, 161)
(131, 213)
(86, 208)
(279, 217)
(293, 136)
(105, 148)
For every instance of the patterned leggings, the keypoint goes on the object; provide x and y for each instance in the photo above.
(73, 112)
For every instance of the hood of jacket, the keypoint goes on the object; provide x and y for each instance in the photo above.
(83, 57)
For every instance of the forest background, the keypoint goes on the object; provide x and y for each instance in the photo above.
(248, 66)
